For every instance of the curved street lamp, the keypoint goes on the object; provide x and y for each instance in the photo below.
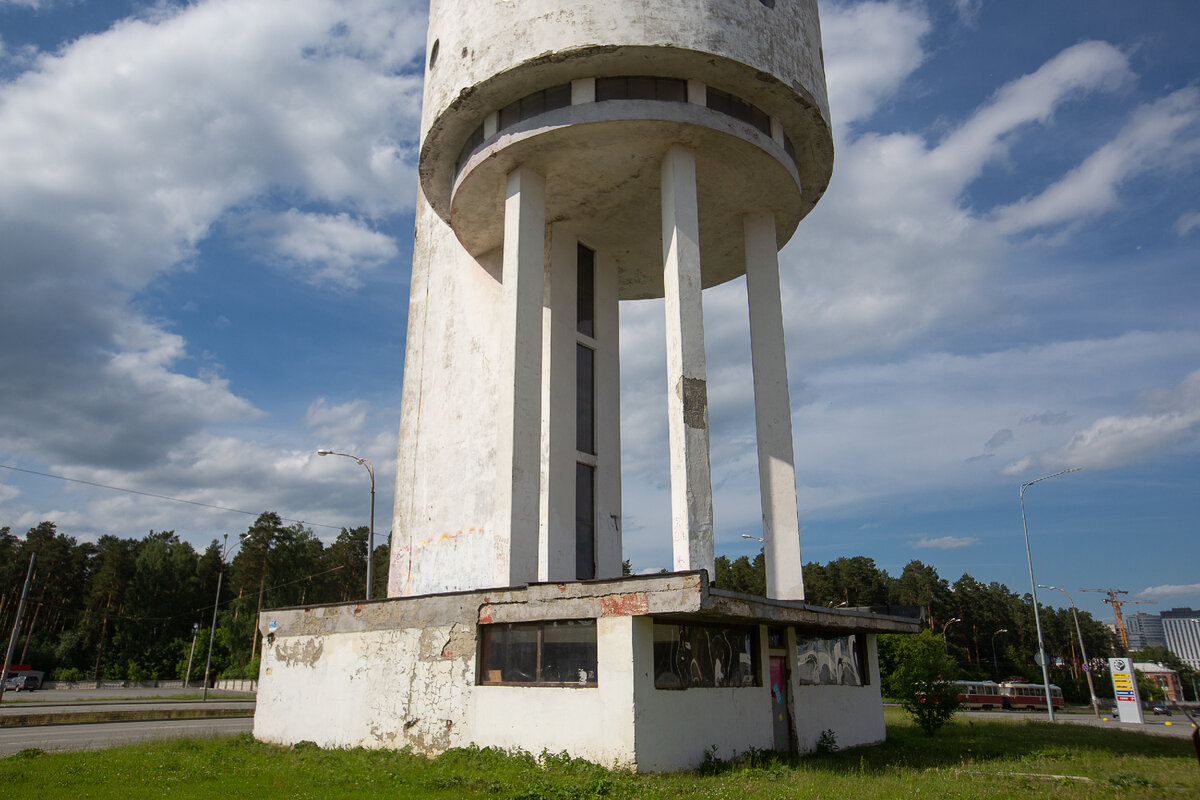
(371, 534)
(946, 647)
(1033, 589)
(1087, 666)
(995, 661)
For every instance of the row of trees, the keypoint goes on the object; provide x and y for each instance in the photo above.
(989, 630)
(125, 608)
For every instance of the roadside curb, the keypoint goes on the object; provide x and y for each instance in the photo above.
(87, 717)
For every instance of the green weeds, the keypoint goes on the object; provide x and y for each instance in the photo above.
(976, 760)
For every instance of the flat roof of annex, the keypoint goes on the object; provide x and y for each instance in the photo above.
(676, 595)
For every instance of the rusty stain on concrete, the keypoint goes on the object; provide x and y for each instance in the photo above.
(624, 605)
(694, 393)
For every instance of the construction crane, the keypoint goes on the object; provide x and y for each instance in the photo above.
(1116, 604)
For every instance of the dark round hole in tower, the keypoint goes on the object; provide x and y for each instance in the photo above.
(433, 52)
(768, 3)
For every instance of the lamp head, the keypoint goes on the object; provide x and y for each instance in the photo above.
(324, 452)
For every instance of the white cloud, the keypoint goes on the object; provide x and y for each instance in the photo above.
(1170, 591)
(1083, 68)
(121, 150)
(325, 249)
(1187, 223)
(946, 542)
(336, 425)
(872, 50)
(1163, 133)
(1172, 417)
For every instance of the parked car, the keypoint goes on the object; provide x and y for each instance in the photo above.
(26, 682)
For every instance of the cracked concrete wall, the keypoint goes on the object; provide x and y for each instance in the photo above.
(405, 687)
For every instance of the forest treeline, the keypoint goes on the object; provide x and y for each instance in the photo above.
(125, 608)
(974, 618)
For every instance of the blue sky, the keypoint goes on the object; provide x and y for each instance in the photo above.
(206, 217)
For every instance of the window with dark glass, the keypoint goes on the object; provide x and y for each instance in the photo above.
(641, 87)
(585, 399)
(738, 108)
(554, 653)
(585, 522)
(585, 289)
(696, 655)
(831, 661)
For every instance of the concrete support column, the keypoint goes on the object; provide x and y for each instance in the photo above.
(608, 419)
(556, 558)
(772, 410)
(687, 392)
(519, 404)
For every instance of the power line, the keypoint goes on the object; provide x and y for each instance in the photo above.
(161, 496)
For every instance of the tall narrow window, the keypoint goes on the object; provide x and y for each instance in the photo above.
(586, 313)
(585, 399)
(585, 522)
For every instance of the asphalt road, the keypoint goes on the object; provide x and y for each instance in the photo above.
(111, 734)
(1155, 726)
(108, 734)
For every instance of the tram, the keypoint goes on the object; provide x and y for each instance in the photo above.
(979, 694)
(1029, 695)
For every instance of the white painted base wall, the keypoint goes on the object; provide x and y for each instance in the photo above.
(402, 673)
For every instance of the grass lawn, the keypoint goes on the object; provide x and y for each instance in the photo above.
(967, 759)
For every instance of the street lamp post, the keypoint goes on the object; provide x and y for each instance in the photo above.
(188, 675)
(212, 633)
(1087, 666)
(996, 661)
(946, 647)
(371, 534)
(1037, 618)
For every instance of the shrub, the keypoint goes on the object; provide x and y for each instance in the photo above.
(922, 681)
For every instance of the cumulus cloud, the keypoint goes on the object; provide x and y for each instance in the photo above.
(325, 249)
(946, 542)
(122, 150)
(874, 48)
(336, 425)
(1171, 417)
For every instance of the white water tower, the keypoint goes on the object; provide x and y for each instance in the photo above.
(574, 154)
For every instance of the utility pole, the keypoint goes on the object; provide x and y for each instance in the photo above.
(1116, 604)
(12, 642)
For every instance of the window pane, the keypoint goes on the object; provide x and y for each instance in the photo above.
(565, 650)
(641, 88)
(558, 96)
(699, 655)
(585, 399)
(829, 661)
(585, 290)
(510, 654)
(610, 89)
(569, 652)
(671, 89)
(585, 522)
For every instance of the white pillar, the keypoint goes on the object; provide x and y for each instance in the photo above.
(687, 393)
(608, 419)
(519, 402)
(556, 559)
(772, 410)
